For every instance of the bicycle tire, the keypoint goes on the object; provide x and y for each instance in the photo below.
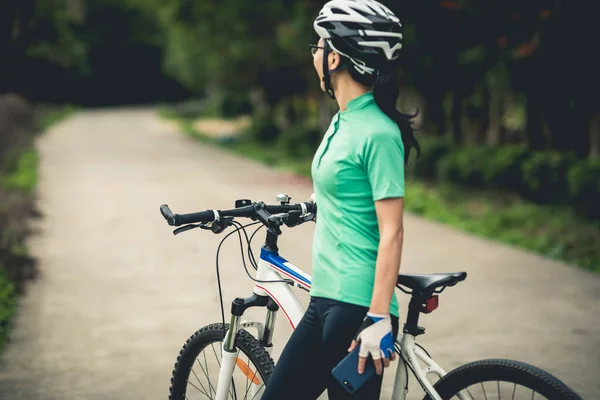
(206, 336)
(511, 371)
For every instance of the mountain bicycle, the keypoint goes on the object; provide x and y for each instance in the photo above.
(274, 275)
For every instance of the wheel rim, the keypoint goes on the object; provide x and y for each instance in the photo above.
(247, 382)
(498, 390)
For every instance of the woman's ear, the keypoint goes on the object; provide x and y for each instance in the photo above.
(334, 60)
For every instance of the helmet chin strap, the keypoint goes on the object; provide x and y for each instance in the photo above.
(326, 72)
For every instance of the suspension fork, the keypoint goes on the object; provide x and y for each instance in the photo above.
(267, 336)
(229, 352)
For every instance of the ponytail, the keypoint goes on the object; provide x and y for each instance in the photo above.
(386, 93)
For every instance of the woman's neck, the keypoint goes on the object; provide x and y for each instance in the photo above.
(347, 89)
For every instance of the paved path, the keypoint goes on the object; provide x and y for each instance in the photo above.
(119, 294)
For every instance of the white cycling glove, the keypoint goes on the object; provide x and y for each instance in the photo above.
(375, 336)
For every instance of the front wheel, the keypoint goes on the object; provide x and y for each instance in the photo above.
(502, 379)
(196, 371)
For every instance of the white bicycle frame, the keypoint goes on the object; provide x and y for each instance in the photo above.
(272, 267)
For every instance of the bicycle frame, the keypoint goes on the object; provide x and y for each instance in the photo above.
(272, 267)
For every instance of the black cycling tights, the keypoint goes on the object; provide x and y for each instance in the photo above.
(320, 341)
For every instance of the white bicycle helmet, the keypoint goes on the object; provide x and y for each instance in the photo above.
(364, 31)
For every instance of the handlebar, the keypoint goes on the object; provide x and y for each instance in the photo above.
(254, 211)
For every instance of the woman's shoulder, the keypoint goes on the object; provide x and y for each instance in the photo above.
(375, 122)
(378, 127)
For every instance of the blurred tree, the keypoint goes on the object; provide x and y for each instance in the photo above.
(38, 32)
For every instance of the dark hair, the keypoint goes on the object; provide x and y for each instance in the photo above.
(386, 93)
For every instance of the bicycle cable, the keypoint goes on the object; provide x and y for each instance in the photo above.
(250, 253)
(288, 281)
(241, 227)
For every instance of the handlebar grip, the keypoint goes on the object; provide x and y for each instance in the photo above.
(168, 214)
(203, 216)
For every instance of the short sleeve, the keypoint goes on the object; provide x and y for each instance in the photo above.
(383, 161)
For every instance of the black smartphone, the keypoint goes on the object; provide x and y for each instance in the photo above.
(346, 372)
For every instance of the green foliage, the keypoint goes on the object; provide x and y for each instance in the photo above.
(7, 306)
(545, 175)
(52, 30)
(584, 187)
(23, 176)
(503, 168)
(554, 231)
(465, 166)
(299, 142)
(432, 151)
(50, 114)
(18, 178)
(229, 103)
(263, 129)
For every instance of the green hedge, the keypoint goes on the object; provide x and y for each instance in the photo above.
(20, 123)
(546, 176)
(432, 150)
(552, 230)
(545, 173)
(584, 187)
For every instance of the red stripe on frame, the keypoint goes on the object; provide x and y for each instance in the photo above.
(273, 297)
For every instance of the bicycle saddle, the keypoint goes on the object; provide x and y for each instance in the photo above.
(426, 283)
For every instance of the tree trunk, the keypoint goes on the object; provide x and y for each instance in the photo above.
(457, 100)
(484, 124)
(595, 136)
(535, 135)
(434, 106)
(496, 134)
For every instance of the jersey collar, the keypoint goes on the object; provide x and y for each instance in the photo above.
(359, 102)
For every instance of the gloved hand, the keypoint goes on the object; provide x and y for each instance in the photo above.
(375, 338)
(313, 199)
(295, 219)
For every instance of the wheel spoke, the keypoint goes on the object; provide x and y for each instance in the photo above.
(498, 390)
(207, 374)
(210, 386)
(251, 372)
(514, 391)
(198, 389)
(251, 383)
(470, 394)
(258, 391)
(200, 382)
(247, 381)
(232, 388)
(216, 356)
(484, 395)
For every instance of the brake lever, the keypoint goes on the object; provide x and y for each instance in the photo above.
(296, 218)
(219, 226)
(187, 228)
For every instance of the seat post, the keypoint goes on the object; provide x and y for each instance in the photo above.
(412, 319)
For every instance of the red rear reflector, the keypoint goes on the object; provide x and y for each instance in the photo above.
(431, 304)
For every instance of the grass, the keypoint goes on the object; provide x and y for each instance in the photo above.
(24, 176)
(21, 177)
(8, 300)
(49, 115)
(553, 231)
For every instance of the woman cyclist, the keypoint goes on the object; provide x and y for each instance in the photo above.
(358, 175)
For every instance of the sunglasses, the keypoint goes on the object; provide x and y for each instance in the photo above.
(314, 48)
